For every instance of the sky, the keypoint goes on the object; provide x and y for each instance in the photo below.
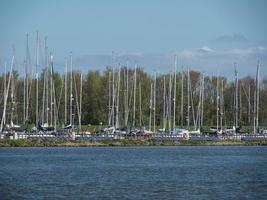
(208, 35)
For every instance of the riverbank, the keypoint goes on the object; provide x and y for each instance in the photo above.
(69, 143)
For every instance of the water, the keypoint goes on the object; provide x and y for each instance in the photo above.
(134, 173)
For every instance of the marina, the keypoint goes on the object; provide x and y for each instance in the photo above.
(133, 99)
(180, 105)
(60, 105)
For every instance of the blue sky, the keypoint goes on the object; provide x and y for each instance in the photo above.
(206, 35)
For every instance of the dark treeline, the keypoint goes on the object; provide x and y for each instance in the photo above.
(104, 91)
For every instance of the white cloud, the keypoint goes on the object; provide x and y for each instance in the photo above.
(195, 52)
(203, 58)
(206, 51)
(248, 51)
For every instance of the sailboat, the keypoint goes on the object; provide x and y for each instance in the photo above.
(45, 126)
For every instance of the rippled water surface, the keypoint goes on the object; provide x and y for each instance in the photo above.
(134, 173)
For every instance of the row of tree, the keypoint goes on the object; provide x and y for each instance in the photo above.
(124, 96)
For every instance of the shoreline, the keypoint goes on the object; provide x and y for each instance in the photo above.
(126, 143)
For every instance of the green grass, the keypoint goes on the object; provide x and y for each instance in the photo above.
(70, 143)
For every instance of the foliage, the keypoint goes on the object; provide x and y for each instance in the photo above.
(97, 92)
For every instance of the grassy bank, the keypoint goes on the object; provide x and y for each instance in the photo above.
(61, 143)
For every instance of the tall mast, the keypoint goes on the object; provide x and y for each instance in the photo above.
(217, 102)
(13, 90)
(154, 106)
(150, 105)
(43, 99)
(37, 86)
(127, 92)
(71, 95)
(6, 95)
(5, 90)
(12, 98)
(109, 96)
(170, 101)
(257, 96)
(236, 97)
(51, 91)
(77, 100)
(134, 96)
(46, 80)
(221, 104)
(81, 97)
(164, 103)
(140, 107)
(240, 101)
(113, 90)
(182, 99)
(202, 99)
(198, 118)
(174, 92)
(192, 104)
(27, 78)
(249, 109)
(126, 96)
(188, 98)
(65, 89)
(118, 98)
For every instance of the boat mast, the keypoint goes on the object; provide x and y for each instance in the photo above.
(27, 78)
(154, 106)
(170, 101)
(126, 96)
(188, 99)
(37, 86)
(150, 105)
(256, 104)
(249, 109)
(140, 107)
(65, 89)
(46, 80)
(202, 99)
(221, 104)
(53, 93)
(113, 90)
(43, 99)
(4, 120)
(198, 118)
(77, 99)
(127, 92)
(192, 104)
(81, 96)
(6, 95)
(12, 96)
(118, 98)
(174, 92)
(182, 98)
(109, 96)
(71, 95)
(236, 97)
(164, 103)
(217, 102)
(134, 96)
